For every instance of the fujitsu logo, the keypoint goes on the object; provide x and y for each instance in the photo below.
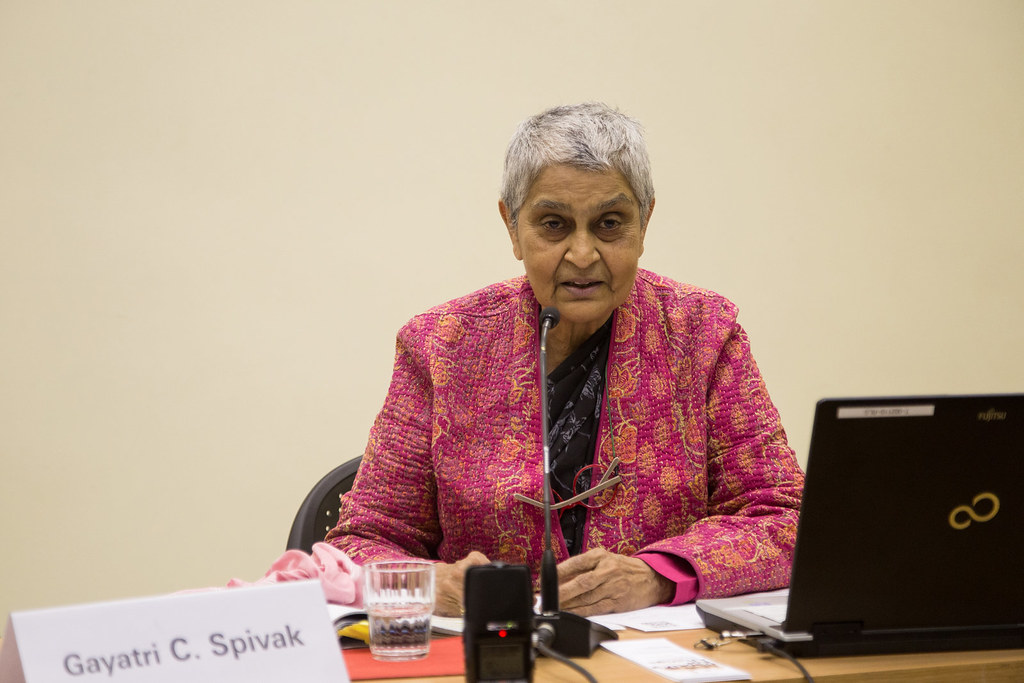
(991, 414)
(956, 519)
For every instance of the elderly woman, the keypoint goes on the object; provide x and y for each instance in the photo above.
(652, 380)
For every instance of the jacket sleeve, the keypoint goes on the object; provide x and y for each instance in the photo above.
(391, 510)
(745, 542)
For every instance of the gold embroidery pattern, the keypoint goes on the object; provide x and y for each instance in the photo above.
(459, 436)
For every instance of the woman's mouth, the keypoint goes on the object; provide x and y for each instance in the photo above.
(581, 287)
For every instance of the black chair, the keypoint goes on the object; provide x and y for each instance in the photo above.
(318, 513)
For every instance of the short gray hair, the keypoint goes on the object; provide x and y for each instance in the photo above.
(591, 136)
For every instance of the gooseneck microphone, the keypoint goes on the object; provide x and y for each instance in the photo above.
(501, 631)
(549, 318)
(564, 633)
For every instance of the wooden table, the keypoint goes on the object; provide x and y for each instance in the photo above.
(990, 666)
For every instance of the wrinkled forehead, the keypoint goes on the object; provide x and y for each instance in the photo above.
(567, 187)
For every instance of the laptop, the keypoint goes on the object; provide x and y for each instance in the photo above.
(911, 534)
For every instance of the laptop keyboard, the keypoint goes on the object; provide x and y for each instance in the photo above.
(776, 613)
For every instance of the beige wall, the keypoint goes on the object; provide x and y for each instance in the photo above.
(215, 215)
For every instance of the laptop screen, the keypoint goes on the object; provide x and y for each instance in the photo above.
(912, 515)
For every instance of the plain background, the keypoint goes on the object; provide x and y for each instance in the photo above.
(214, 216)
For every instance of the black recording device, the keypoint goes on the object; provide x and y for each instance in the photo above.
(498, 630)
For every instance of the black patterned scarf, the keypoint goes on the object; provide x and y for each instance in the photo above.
(575, 388)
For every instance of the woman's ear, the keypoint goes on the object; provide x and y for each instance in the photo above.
(643, 230)
(513, 234)
(650, 210)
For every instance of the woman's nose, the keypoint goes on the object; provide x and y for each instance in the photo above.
(581, 250)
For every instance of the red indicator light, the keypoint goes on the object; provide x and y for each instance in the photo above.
(502, 633)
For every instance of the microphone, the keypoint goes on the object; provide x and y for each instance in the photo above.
(549, 318)
(566, 633)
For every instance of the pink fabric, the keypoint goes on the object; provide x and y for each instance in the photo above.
(707, 474)
(678, 572)
(340, 577)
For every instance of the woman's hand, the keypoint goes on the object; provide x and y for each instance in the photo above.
(449, 583)
(600, 582)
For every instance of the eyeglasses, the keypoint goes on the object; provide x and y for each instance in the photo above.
(609, 479)
(725, 638)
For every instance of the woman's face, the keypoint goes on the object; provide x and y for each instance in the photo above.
(580, 236)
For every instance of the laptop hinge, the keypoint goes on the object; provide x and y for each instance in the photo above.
(837, 629)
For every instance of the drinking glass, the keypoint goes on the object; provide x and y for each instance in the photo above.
(399, 600)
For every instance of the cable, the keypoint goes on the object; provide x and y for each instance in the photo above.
(542, 637)
(765, 645)
(548, 652)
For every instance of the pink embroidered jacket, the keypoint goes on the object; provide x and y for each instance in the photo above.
(707, 475)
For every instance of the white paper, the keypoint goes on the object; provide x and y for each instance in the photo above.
(660, 618)
(675, 663)
(448, 626)
(608, 621)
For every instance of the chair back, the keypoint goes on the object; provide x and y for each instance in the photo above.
(318, 513)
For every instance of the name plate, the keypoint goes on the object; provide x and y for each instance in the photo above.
(279, 632)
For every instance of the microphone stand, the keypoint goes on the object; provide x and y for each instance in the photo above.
(566, 633)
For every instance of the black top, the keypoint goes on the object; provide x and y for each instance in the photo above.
(575, 388)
